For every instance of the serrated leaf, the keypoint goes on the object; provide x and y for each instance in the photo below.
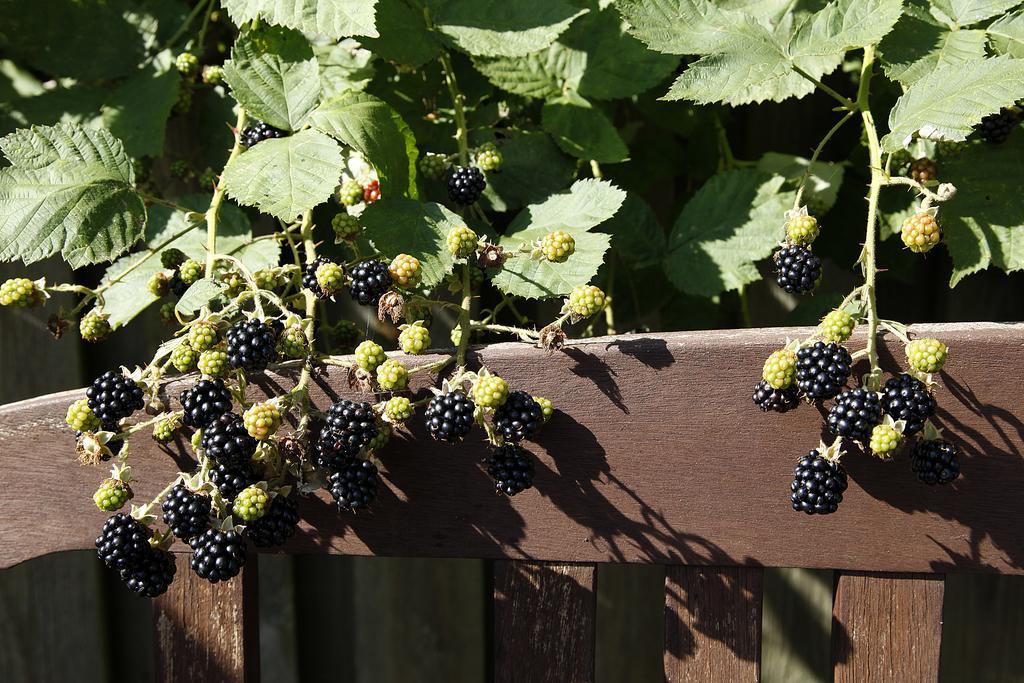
(532, 169)
(637, 236)
(541, 74)
(967, 12)
(274, 75)
(844, 25)
(285, 176)
(498, 28)
(1007, 34)
(587, 204)
(734, 220)
(137, 110)
(951, 100)
(199, 294)
(397, 225)
(916, 47)
(822, 184)
(330, 18)
(582, 130)
(404, 36)
(40, 146)
(660, 24)
(343, 67)
(372, 127)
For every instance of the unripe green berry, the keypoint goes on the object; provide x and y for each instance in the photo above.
(190, 271)
(414, 339)
(196, 440)
(392, 375)
(112, 495)
(261, 420)
(398, 409)
(350, 193)
(920, 232)
(172, 258)
(926, 355)
(268, 279)
(167, 312)
(81, 418)
(213, 363)
(836, 326)
(557, 246)
(331, 277)
(546, 406)
(346, 227)
(208, 178)
(186, 63)
(202, 335)
(213, 74)
(802, 230)
(184, 357)
(369, 355)
(433, 165)
(20, 292)
(461, 241)
(94, 326)
(163, 431)
(251, 504)
(234, 282)
(780, 369)
(885, 441)
(586, 300)
(181, 169)
(293, 342)
(406, 271)
(346, 333)
(383, 436)
(488, 157)
(490, 391)
(158, 285)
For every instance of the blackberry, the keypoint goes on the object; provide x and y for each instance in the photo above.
(232, 478)
(511, 469)
(398, 409)
(176, 285)
(586, 300)
(885, 441)
(163, 431)
(190, 271)
(924, 170)
(20, 292)
(351, 192)
(218, 555)
(926, 355)
(94, 326)
(768, 398)
(797, 269)
(558, 246)
(371, 192)
(466, 184)
(158, 285)
(818, 485)
(406, 271)
(779, 370)
(370, 280)
(519, 418)
(906, 398)
(996, 128)
(433, 165)
(822, 369)
(920, 232)
(415, 338)
(252, 345)
(80, 417)
(112, 495)
(836, 326)
(262, 420)
(113, 396)
(935, 462)
(172, 258)
(346, 227)
(331, 450)
(369, 355)
(213, 363)
(392, 375)
(206, 401)
(251, 503)
(276, 526)
(226, 440)
(257, 132)
(461, 242)
(186, 63)
(202, 335)
(488, 157)
(186, 512)
(353, 424)
(855, 413)
(123, 541)
(151, 575)
(802, 230)
(293, 342)
(354, 484)
(213, 75)
(449, 417)
(309, 277)
(183, 357)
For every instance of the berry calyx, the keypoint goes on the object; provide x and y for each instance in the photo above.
(258, 131)
(202, 335)
(780, 369)
(885, 441)
(350, 193)
(802, 230)
(406, 271)
(855, 414)
(920, 232)
(20, 292)
(935, 461)
(546, 407)
(461, 242)
(836, 326)
(519, 418)
(218, 555)
(585, 301)
(112, 495)
(798, 270)
(466, 184)
(262, 420)
(818, 484)
(227, 440)
(398, 409)
(488, 157)
(926, 355)
(557, 246)
(415, 338)
(767, 398)
(206, 401)
(190, 271)
(449, 417)
(370, 280)
(490, 391)
(822, 369)
(511, 469)
(251, 503)
(94, 326)
(213, 363)
(186, 512)
(252, 345)
(369, 355)
(330, 278)
(81, 418)
(433, 165)
(392, 375)
(346, 227)
(906, 398)
(186, 63)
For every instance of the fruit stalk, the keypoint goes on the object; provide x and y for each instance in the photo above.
(877, 181)
(218, 198)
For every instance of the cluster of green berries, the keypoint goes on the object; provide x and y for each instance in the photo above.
(94, 326)
(202, 335)
(557, 246)
(330, 277)
(186, 63)
(350, 193)
(780, 369)
(112, 495)
(20, 292)
(406, 271)
(547, 408)
(585, 301)
(488, 157)
(213, 74)
(262, 420)
(293, 343)
(269, 279)
(369, 355)
(802, 230)
(213, 363)
(926, 355)
(461, 242)
(190, 271)
(414, 339)
(163, 430)
(184, 357)
(490, 391)
(392, 375)
(398, 409)
(885, 440)
(251, 503)
(837, 326)
(81, 418)
(346, 227)
(433, 165)
(921, 232)
(923, 170)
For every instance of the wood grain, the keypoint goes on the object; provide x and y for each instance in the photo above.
(712, 624)
(887, 627)
(657, 455)
(543, 622)
(208, 632)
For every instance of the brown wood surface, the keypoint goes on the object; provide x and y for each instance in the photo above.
(887, 627)
(208, 632)
(657, 455)
(544, 622)
(712, 624)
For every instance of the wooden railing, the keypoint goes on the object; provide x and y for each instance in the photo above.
(656, 456)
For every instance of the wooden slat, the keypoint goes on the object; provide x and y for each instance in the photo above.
(630, 622)
(712, 623)
(658, 456)
(208, 632)
(887, 627)
(543, 622)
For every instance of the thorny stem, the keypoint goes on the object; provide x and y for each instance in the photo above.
(877, 181)
(309, 247)
(458, 103)
(845, 101)
(464, 323)
(817, 152)
(218, 198)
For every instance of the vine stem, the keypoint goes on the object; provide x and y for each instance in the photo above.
(878, 179)
(816, 154)
(464, 318)
(458, 103)
(309, 249)
(218, 198)
(845, 101)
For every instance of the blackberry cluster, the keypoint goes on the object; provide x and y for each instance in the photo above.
(519, 417)
(818, 485)
(276, 526)
(466, 184)
(996, 128)
(798, 270)
(855, 413)
(449, 417)
(218, 555)
(227, 441)
(354, 485)
(822, 369)
(935, 462)
(511, 469)
(252, 344)
(186, 512)
(905, 397)
(123, 541)
(113, 396)
(232, 478)
(370, 281)
(257, 132)
(205, 402)
(152, 574)
(768, 398)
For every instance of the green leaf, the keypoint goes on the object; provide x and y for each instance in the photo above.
(532, 169)
(947, 103)
(285, 176)
(541, 74)
(330, 18)
(343, 67)
(68, 190)
(583, 131)
(372, 127)
(637, 236)
(845, 25)
(137, 110)
(675, 27)
(967, 12)
(395, 225)
(916, 47)
(1007, 34)
(274, 75)
(822, 185)
(734, 220)
(199, 294)
(404, 36)
(498, 28)
(587, 204)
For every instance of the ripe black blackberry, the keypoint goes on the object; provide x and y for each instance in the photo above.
(466, 184)
(258, 131)
(935, 461)
(511, 469)
(354, 485)
(818, 485)
(123, 541)
(176, 285)
(905, 397)
(186, 512)
(855, 413)
(822, 369)
(331, 450)
(797, 269)
(768, 398)
(206, 401)
(353, 422)
(218, 555)
(519, 417)
(276, 525)
(151, 575)
(309, 277)
(227, 440)
(252, 345)
(449, 417)
(231, 478)
(370, 281)
(996, 128)
(113, 396)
